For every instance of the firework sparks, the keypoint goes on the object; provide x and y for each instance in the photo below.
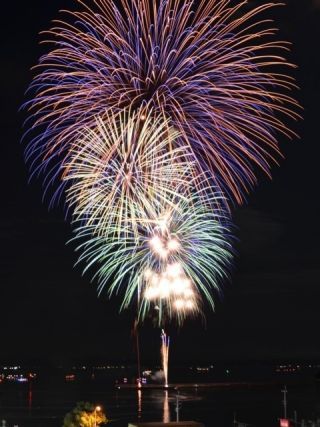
(124, 168)
(175, 286)
(209, 66)
(165, 346)
(172, 281)
(140, 232)
(152, 117)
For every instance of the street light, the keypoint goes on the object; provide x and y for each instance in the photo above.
(96, 409)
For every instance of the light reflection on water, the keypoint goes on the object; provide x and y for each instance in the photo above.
(46, 405)
(139, 404)
(166, 408)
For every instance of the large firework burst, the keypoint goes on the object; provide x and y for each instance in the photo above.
(147, 219)
(175, 257)
(124, 167)
(211, 66)
(151, 114)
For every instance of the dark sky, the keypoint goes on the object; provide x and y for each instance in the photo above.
(271, 308)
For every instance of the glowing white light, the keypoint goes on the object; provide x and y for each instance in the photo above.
(163, 222)
(174, 270)
(156, 243)
(179, 304)
(178, 286)
(163, 253)
(189, 305)
(187, 283)
(173, 245)
(154, 279)
(158, 247)
(170, 284)
(188, 293)
(151, 293)
(148, 274)
(164, 286)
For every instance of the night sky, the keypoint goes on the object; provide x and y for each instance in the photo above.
(269, 311)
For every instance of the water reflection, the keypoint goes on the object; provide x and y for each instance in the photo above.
(30, 397)
(139, 403)
(166, 408)
(40, 405)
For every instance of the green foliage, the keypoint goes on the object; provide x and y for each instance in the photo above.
(84, 415)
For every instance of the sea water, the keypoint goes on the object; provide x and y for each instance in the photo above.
(23, 405)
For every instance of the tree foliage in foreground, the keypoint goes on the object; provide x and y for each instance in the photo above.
(84, 415)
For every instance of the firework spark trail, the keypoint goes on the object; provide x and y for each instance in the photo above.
(178, 254)
(142, 211)
(165, 346)
(152, 117)
(213, 68)
(125, 168)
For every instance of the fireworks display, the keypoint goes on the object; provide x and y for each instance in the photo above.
(150, 118)
(174, 256)
(122, 168)
(165, 346)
